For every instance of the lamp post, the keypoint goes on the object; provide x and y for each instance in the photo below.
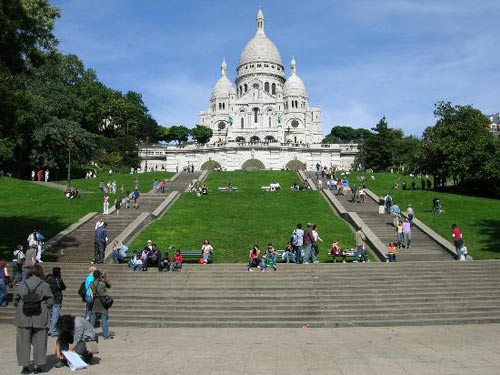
(69, 166)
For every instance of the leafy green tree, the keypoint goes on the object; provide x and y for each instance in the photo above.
(178, 133)
(201, 134)
(58, 140)
(460, 146)
(346, 134)
(379, 151)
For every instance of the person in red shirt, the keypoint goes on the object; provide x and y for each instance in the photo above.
(458, 240)
(177, 261)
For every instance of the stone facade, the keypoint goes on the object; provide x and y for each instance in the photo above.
(233, 157)
(264, 106)
(264, 119)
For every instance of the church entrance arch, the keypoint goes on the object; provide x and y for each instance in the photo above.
(253, 165)
(295, 165)
(240, 139)
(270, 138)
(254, 139)
(210, 165)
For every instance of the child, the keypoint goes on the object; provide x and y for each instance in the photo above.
(177, 264)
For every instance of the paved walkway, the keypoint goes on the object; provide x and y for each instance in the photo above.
(470, 349)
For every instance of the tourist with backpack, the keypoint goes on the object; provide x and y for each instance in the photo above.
(33, 301)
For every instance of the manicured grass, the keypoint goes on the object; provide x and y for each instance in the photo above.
(478, 218)
(25, 206)
(233, 222)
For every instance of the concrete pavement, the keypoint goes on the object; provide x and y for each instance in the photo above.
(468, 349)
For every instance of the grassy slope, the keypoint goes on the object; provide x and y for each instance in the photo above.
(233, 222)
(477, 217)
(25, 206)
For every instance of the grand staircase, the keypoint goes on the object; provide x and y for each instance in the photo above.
(78, 245)
(315, 295)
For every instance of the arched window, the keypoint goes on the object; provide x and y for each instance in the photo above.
(246, 87)
(270, 121)
(256, 86)
(242, 122)
(266, 87)
(273, 88)
(256, 115)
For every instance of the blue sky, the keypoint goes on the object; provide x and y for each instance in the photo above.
(359, 59)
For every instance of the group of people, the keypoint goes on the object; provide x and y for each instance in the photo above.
(71, 193)
(151, 256)
(38, 301)
(159, 186)
(198, 189)
(40, 175)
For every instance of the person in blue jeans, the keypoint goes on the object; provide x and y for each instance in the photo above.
(89, 297)
(4, 276)
(100, 290)
(56, 286)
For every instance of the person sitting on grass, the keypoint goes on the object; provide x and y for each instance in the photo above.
(254, 259)
(177, 263)
(336, 251)
(392, 250)
(74, 334)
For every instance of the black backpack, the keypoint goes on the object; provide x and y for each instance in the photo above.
(32, 303)
(82, 291)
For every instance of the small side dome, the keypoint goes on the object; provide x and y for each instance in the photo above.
(294, 85)
(223, 87)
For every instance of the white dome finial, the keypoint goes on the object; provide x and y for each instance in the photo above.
(223, 68)
(260, 22)
(293, 65)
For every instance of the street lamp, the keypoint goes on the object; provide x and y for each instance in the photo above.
(69, 165)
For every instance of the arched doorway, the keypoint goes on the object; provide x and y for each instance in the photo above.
(253, 165)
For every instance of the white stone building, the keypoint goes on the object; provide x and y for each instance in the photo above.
(264, 119)
(264, 106)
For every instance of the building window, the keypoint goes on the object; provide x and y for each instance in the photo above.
(221, 125)
(242, 122)
(266, 87)
(246, 87)
(269, 121)
(295, 123)
(273, 88)
(256, 86)
(256, 115)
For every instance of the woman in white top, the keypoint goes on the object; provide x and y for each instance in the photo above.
(206, 250)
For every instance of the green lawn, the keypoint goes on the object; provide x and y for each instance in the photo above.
(477, 217)
(233, 222)
(25, 206)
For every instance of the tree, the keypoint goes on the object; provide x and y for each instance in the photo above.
(346, 134)
(178, 133)
(460, 146)
(201, 134)
(379, 150)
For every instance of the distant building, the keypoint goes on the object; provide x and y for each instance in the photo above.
(265, 105)
(263, 120)
(495, 123)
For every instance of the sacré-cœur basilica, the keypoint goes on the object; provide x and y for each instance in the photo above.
(264, 120)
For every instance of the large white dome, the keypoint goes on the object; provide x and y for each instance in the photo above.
(260, 48)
